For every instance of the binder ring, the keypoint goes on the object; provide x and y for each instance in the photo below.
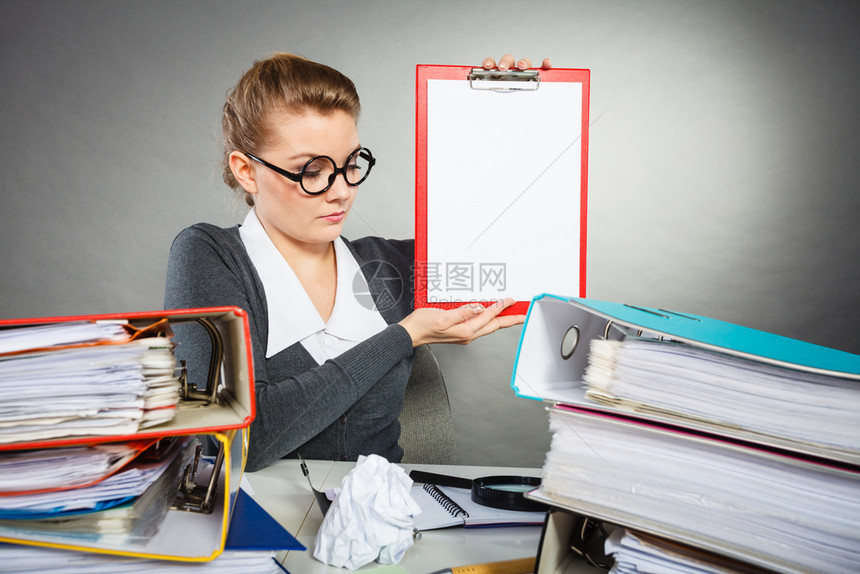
(606, 329)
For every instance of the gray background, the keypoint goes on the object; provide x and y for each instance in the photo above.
(723, 181)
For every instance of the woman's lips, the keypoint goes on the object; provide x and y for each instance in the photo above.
(335, 217)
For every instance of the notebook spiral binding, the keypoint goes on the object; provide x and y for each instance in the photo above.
(445, 501)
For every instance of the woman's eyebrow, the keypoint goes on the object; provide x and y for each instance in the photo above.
(297, 155)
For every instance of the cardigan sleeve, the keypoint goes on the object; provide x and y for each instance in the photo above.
(207, 267)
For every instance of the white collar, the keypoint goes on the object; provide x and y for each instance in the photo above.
(292, 315)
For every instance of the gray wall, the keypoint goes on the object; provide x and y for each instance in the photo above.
(724, 176)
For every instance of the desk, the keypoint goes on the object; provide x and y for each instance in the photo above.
(283, 491)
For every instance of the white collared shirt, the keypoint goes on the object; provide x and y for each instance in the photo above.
(292, 316)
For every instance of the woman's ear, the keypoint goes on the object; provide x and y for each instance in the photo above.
(243, 171)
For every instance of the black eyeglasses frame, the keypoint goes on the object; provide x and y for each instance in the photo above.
(298, 177)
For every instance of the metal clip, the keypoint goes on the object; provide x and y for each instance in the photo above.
(209, 395)
(589, 540)
(200, 498)
(507, 81)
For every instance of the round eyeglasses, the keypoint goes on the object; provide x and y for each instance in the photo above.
(319, 173)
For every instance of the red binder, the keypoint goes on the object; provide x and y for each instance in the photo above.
(196, 530)
(231, 375)
(501, 184)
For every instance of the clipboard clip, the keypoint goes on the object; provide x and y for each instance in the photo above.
(504, 81)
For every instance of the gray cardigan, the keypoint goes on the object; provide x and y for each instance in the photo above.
(346, 407)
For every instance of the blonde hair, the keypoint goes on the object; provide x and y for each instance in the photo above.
(282, 82)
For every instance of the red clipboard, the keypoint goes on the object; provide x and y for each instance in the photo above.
(501, 184)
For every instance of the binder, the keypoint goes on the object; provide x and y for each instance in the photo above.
(253, 535)
(501, 184)
(762, 506)
(227, 403)
(554, 347)
(196, 529)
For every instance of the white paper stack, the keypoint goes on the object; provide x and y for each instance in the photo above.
(83, 378)
(760, 506)
(637, 553)
(732, 392)
(126, 506)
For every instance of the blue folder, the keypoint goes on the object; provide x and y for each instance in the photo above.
(717, 335)
(252, 528)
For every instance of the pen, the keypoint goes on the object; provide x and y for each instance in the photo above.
(517, 566)
(322, 501)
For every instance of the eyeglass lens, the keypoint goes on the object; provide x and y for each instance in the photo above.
(320, 172)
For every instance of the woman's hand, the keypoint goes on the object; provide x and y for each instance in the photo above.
(461, 325)
(508, 62)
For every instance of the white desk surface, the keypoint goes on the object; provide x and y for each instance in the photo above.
(283, 491)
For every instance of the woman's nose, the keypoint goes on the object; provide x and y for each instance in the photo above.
(340, 187)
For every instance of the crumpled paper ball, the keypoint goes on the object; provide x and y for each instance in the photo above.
(371, 519)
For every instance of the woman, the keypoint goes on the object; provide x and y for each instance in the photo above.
(330, 369)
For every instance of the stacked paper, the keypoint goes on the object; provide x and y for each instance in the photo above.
(127, 506)
(763, 507)
(83, 378)
(714, 435)
(732, 392)
(637, 553)
(95, 449)
(63, 468)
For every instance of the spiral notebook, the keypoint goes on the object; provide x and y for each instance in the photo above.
(446, 506)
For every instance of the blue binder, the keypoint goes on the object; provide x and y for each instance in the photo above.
(554, 348)
(718, 336)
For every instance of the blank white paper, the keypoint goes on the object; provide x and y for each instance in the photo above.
(503, 191)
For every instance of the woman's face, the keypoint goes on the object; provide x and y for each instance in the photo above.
(289, 215)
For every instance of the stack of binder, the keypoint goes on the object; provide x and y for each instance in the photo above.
(728, 440)
(100, 442)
